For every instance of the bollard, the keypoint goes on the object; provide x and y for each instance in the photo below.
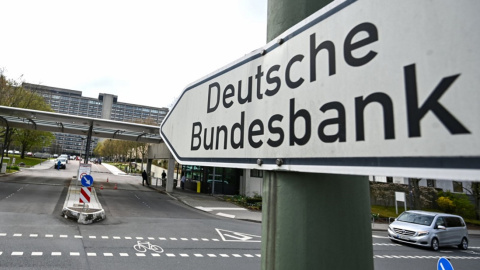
(198, 186)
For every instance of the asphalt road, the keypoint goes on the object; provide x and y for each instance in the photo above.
(145, 229)
(166, 233)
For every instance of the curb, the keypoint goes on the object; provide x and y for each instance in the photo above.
(82, 215)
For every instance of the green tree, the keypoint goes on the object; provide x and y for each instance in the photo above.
(27, 139)
(12, 94)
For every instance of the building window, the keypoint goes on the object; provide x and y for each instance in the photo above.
(457, 186)
(256, 173)
(430, 183)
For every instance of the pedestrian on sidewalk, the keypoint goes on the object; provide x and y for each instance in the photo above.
(182, 181)
(164, 175)
(145, 178)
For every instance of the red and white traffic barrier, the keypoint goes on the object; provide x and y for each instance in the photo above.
(85, 193)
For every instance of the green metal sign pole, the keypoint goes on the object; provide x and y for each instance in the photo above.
(313, 221)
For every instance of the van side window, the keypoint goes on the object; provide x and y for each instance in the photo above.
(440, 222)
(453, 222)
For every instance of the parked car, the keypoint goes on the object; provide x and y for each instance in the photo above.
(63, 163)
(429, 229)
(29, 154)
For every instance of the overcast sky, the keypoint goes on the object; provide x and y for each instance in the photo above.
(145, 52)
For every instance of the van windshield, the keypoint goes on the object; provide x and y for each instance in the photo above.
(416, 218)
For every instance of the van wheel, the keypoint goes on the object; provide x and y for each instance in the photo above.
(435, 245)
(464, 244)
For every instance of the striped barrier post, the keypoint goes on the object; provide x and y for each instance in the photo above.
(85, 194)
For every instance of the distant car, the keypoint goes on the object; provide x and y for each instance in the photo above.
(63, 163)
(65, 156)
(10, 151)
(17, 152)
(429, 229)
(55, 155)
(29, 154)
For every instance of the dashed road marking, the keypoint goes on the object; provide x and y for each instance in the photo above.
(106, 237)
(423, 257)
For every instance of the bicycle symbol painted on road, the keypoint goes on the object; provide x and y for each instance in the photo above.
(144, 246)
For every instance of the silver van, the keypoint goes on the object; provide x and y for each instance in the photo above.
(429, 229)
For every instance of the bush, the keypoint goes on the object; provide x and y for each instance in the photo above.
(446, 205)
(456, 203)
(13, 168)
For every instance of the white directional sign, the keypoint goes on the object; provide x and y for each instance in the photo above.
(360, 87)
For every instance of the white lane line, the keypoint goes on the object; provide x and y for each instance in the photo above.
(139, 238)
(194, 239)
(198, 255)
(237, 255)
(378, 236)
(92, 237)
(56, 253)
(216, 240)
(173, 239)
(183, 255)
(151, 238)
(248, 255)
(37, 253)
(170, 255)
(63, 236)
(212, 255)
(78, 236)
(155, 255)
(108, 254)
(92, 254)
(123, 254)
(17, 235)
(128, 238)
(224, 255)
(74, 253)
(258, 255)
(209, 209)
(48, 235)
(33, 235)
(184, 239)
(226, 215)
(117, 237)
(205, 239)
(3, 234)
(140, 254)
(17, 253)
(162, 238)
(104, 237)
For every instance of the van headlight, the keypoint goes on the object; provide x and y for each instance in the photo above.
(422, 233)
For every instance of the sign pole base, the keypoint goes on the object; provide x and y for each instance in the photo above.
(316, 221)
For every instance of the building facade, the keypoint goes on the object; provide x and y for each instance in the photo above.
(106, 106)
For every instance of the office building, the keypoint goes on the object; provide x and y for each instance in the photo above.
(106, 106)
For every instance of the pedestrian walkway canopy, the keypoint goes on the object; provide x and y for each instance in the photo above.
(56, 122)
